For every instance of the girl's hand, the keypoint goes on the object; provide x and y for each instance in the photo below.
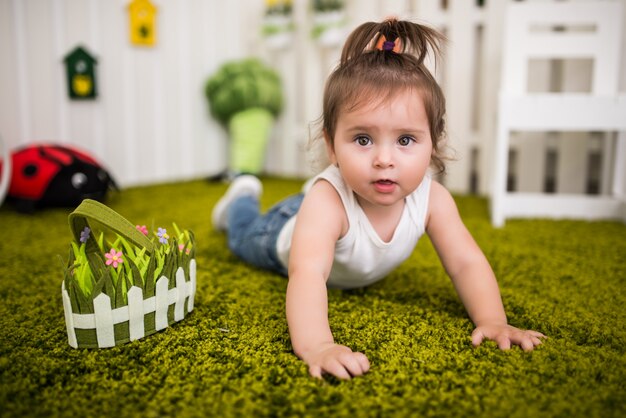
(505, 335)
(337, 360)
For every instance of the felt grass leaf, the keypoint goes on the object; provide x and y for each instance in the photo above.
(129, 249)
(150, 278)
(101, 241)
(83, 303)
(116, 243)
(67, 268)
(139, 256)
(160, 262)
(192, 241)
(99, 287)
(135, 274)
(80, 270)
(96, 263)
(120, 290)
(84, 278)
(74, 298)
(76, 249)
(177, 231)
(169, 267)
(109, 286)
(114, 274)
(127, 286)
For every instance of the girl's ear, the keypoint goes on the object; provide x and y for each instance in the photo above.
(330, 149)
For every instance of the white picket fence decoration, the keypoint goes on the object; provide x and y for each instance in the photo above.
(104, 319)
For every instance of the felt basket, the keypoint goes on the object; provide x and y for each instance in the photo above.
(138, 288)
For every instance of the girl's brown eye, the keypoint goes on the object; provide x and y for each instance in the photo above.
(362, 140)
(404, 141)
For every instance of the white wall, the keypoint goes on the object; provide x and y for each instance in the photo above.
(150, 122)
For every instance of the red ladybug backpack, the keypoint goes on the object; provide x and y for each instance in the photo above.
(49, 175)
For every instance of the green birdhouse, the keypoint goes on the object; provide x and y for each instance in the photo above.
(81, 74)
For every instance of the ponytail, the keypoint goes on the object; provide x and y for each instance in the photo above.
(408, 38)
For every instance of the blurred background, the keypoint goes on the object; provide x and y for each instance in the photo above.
(150, 122)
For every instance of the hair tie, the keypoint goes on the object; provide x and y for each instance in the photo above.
(384, 45)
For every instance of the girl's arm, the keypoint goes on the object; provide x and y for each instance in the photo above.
(320, 223)
(471, 274)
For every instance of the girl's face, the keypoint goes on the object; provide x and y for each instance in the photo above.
(383, 149)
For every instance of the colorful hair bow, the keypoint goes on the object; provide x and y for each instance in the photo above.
(384, 45)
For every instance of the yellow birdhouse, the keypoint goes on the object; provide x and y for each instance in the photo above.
(142, 15)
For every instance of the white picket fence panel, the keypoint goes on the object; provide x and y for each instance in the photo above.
(151, 121)
(104, 318)
(589, 30)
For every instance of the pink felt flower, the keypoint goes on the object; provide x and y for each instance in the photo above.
(142, 229)
(114, 257)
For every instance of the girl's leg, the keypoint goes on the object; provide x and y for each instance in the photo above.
(246, 185)
(253, 237)
(243, 214)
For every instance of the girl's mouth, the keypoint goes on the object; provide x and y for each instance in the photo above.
(384, 186)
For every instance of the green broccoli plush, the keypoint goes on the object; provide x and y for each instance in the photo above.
(245, 97)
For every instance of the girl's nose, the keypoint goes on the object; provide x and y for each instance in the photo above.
(383, 157)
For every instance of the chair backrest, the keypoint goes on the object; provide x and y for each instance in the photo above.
(545, 30)
(563, 30)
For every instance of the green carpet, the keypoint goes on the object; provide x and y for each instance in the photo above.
(232, 357)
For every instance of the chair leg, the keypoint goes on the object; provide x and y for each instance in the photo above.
(619, 171)
(500, 169)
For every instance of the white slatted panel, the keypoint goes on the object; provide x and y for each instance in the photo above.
(572, 105)
(151, 121)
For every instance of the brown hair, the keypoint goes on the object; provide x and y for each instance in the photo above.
(366, 73)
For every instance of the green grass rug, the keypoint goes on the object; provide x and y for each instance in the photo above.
(232, 356)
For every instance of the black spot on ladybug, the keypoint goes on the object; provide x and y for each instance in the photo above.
(103, 176)
(30, 170)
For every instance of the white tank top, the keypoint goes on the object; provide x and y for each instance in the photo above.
(361, 257)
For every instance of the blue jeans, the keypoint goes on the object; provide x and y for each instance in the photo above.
(252, 236)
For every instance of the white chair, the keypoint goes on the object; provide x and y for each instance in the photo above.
(602, 109)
